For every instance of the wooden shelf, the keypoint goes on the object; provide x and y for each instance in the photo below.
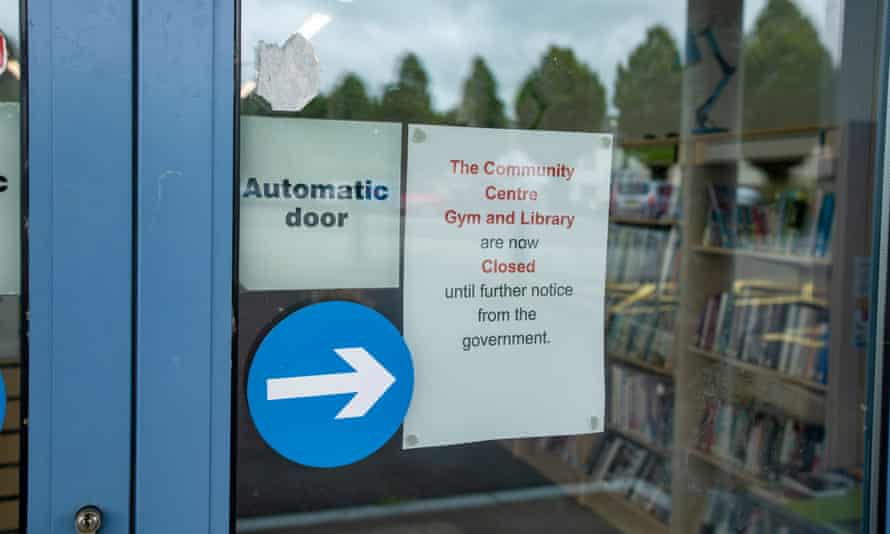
(759, 369)
(772, 257)
(621, 513)
(787, 145)
(648, 142)
(635, 221)
(732, 469)
(640, 440)
(622, 287)
(639, 364)
(775, 394)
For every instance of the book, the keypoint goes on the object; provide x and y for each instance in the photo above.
(642, 405)
(824, 225)
(790, 222)
(644, 255)
(780, 332)
(723, 230)
(626, 469)
(758, 441)
(750, 512)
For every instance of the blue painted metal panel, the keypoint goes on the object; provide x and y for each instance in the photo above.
(80, 233)
(185, 180)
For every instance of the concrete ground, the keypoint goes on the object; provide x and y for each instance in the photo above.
(551, 516)
(469, 489)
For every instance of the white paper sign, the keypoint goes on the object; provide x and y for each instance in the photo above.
(320, 204)
(10, 201)
(505, 268)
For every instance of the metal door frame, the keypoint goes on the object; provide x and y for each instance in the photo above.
(79, 134)
(184, 202)
(184, 218)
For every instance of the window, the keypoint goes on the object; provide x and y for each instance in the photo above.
(729, 314)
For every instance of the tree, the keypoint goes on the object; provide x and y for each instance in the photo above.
(408, 99)
(648, 89)
(350, 100)
(788, 72)
(254, 104)
(480, 105)
(561, 94)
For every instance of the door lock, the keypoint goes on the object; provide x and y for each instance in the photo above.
(88, 520)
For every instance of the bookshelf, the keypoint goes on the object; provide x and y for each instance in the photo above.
(820, 282)
(770, 374)
(638, 295)
(622, 514)
(641, 440)
(763, 277)
(805, 262)
(639, 364)
(784, 275)
(10, 445)
(632, 221)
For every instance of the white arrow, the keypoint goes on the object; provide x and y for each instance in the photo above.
(369, 382)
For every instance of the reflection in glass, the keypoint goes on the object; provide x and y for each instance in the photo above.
(737, 267)
(10, 268)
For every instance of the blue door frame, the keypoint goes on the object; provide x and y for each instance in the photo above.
(130, 204)
(131, 120)
(185, 199)
(79, 145)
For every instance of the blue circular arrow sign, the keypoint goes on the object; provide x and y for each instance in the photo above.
(330, 384)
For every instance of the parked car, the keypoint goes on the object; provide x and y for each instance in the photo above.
(645, 199)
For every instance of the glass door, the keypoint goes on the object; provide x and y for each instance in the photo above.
(675, 341)
(12, 375)
(503, 267)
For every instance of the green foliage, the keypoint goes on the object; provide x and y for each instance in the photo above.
(408, 99)
(350, 100)
(789, 75)
(562, 93)
(317, 108)
(480, 105)
(254, 104)
(648, 89)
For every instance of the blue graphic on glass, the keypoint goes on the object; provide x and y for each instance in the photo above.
(330, 384)
(2, 401)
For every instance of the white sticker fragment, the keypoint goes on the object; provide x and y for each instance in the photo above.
(287, 76)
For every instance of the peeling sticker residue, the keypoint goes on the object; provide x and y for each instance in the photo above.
(287, 76)
(163, 178)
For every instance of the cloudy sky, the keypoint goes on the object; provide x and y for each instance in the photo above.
(368, 36)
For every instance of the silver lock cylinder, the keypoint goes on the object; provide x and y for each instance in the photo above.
(88, 520)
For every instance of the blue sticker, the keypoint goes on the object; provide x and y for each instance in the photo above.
(330, 384)
(2, 401)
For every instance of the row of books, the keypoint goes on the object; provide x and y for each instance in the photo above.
(642, 255)
(635, 472)
(767, 330)
(754, 439)
(642, 404)
(644, 332)
(793, 222)
(739, 511)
